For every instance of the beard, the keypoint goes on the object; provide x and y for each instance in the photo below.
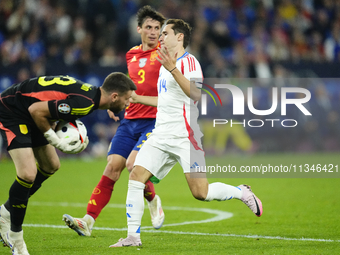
(116, 108)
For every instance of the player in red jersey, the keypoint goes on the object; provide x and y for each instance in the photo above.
(138, 123)
(143, 70)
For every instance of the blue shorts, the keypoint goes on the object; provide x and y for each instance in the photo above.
(130, 135)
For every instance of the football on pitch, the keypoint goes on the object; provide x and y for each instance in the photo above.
(65, 129)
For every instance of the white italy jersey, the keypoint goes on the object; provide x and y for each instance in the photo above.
(176, 113)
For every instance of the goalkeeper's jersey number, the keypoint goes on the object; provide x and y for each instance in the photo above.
(63, 80)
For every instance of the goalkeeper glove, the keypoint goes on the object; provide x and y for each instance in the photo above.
(66, 145)
(81, 147)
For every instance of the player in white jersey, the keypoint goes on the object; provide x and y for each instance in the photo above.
(174, 106)
(176, 137)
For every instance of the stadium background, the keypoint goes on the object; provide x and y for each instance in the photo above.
(249, 39)
(88, 39)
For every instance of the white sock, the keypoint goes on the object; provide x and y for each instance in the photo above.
(16, 235)
(221, 191)
(5, 213)
(135, 207)
(89, 220)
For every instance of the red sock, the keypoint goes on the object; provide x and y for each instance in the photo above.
(100, 196)
(149, 191)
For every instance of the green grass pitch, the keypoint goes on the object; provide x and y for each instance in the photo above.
(301, 215)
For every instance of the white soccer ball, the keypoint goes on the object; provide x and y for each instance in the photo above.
(65, 129)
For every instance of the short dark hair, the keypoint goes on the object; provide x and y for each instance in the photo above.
(180, 26)
(118, 82)
(148, 12)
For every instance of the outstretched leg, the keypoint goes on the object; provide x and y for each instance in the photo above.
(202, 190)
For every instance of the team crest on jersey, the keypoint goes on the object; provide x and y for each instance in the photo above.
(64, 108)
(153, 56)
(142, 62)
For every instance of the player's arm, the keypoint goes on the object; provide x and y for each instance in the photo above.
(170, 64)
(42, 117)
(146, 100)
(189, 88)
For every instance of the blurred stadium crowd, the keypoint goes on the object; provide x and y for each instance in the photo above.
(88, 39)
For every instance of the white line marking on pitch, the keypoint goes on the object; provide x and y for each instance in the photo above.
(220, 215)
(195, 233)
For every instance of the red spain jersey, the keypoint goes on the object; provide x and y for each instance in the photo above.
(143, 68)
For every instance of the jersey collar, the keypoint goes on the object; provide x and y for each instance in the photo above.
(184, 55)
(158, 46)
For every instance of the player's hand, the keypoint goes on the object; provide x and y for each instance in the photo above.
(112, 115)
(81, 147)
(169, 62)
(133, 98)
(66, 145)
(69, 145)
